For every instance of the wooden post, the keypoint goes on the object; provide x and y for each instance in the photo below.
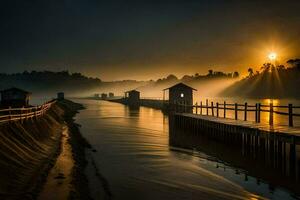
(258, 112)
(180, 107)
(271, 122)
(291, 122)
(206, 106)
(173, 107)
(217, 109)
(235, 111)
(245, 112)
(212, 109)
(9, 112)
(21, 113)
(224, 109)
(200, 107)
(196, 108)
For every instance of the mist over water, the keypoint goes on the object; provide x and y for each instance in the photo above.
(139, 158)
(209, 87)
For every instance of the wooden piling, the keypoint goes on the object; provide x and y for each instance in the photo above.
(271, 121)
(224, 109)
(258, 112)
(201, 107)
(245, 111)
(206, 106)
(291, 123)
(236, 111)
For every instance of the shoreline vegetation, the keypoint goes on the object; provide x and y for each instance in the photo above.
(29, 151)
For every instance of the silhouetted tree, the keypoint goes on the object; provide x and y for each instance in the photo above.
(210, 72)
(280, 83)
(250, 71)
(172, 77)
(266, 67)
(280, 67)
(235, 75)
(295, 63)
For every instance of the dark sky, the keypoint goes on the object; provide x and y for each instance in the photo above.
(146, 39)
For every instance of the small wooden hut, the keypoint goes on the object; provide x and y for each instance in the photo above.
(180, 94)
(132, 97)
(15, 97)
(111, 95)
(96, 96)
(60, 96)
(103, 96)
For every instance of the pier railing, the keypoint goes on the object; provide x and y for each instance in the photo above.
(16, 114)
(214, 108)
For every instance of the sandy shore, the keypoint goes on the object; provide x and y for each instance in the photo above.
(58, 183)
(75, 183)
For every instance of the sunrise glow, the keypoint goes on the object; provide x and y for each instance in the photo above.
(272, 56)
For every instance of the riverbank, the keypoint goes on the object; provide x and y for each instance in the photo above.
(29, 150)
(80, 189)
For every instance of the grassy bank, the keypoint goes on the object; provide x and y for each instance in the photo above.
(29, 149)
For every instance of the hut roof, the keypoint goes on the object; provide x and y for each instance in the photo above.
(16, 90)
(180, 85)
(130, 91)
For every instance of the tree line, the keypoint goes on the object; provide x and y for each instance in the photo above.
(270, 81)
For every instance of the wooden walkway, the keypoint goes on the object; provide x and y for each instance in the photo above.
(262, 128)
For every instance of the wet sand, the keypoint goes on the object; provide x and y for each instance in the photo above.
(58, 184)
(79, 186)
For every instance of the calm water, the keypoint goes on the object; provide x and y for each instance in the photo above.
(137, 158)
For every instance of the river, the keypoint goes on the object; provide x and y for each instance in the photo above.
(134, 157)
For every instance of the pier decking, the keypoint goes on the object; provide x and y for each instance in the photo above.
(290, 133)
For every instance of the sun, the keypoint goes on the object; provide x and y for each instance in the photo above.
(272, 56)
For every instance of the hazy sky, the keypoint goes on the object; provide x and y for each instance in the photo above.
(146, 39)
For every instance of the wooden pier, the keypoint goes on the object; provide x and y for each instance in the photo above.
(249, 132)
(206, 119)
(221, 127)
(278, 146)
(214, 109)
